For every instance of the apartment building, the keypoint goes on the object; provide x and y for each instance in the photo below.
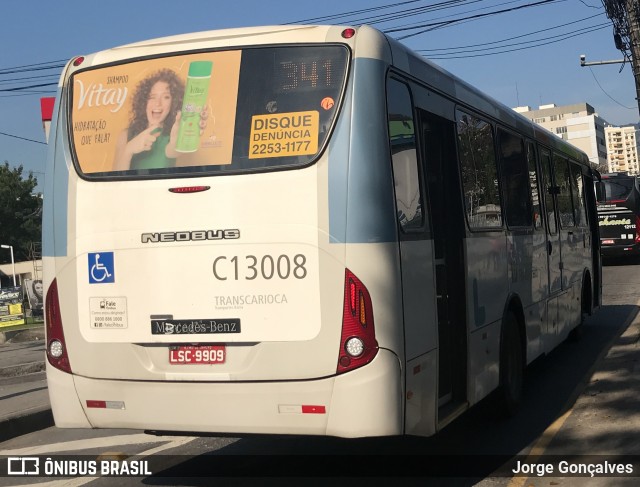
(622, 149)
(578, 124)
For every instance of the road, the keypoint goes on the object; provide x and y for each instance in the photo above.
(556, 419)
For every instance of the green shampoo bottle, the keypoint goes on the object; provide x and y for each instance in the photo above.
(195, 98)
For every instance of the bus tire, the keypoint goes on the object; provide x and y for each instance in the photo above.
(511, 387)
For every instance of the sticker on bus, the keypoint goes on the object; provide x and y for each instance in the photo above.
(284, 134)
(101, 268)
(108, 313)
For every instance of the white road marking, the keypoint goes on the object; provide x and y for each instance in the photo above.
(90, 443)
(168, 442)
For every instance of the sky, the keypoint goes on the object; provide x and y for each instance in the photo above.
(518, 53)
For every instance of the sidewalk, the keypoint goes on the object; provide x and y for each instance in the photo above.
(24, 399)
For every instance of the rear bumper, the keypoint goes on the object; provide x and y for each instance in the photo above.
(620, 250)
(364, 402)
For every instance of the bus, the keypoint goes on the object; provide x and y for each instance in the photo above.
(618, 205)
(301, 230)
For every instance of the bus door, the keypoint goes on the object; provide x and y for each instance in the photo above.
(554, 251)
(582, 238)
(447, 228)
(572, 240)
(431, 260)
(415, 248)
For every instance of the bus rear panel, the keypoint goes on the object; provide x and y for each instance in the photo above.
(619, 215)
(301, 230)
(209, 290)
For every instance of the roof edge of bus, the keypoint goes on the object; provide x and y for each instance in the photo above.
(221, 34)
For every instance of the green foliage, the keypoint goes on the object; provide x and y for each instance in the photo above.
(20, 213)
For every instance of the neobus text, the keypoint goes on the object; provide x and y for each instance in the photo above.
(196, 235)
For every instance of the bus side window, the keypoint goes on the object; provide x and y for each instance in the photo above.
(404, 156)
(534, 186)
(577, 192)
(563, 183)
(547, 184)
(515, 179)
(479, 172)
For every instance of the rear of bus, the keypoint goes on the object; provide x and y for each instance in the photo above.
(218, 236)
(619, 215)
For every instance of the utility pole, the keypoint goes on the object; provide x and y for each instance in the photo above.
(631, 7)
(625, 16)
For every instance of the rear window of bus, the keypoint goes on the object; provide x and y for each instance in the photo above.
(206, 112)
(615, 189)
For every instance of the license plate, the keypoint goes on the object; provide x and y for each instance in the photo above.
(197, 354)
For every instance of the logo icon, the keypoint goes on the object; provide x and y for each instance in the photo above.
(101, 268)
(23, 466)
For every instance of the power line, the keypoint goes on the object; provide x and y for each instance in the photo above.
(559, 37)
(34, 67)
(539, 44)
(28, 93)
(327, 18)
(28, 78)
(22, 138)
(378, 19)
(430, 26)
(20, 88)
(512, 38)
(465, 12)
(603, 90)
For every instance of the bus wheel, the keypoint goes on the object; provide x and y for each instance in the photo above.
(511, 387)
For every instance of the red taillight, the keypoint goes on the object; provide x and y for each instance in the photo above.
(352, 296)
(637, 239)
(56, 348)
(358, 345)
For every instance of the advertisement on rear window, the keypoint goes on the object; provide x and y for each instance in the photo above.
(156, 114)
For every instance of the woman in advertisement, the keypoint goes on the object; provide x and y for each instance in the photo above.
(150, 140)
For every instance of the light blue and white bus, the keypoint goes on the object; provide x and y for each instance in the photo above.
(301, 230)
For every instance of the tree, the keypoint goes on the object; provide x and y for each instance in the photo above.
(20, 213)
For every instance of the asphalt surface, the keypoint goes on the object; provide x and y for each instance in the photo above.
(602, 423)
(24, 398)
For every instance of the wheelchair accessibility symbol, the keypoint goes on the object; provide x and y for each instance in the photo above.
(101, 268)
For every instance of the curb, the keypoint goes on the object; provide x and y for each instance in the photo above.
(22, 369)
(33, 417)
(22, 334)
(28, 423)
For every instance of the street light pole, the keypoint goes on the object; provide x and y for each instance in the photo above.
(13, 263)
